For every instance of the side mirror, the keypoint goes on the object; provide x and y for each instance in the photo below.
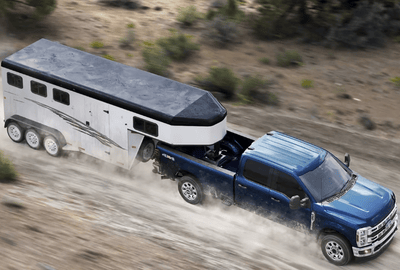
(347, 159)
(294, 203)
(305, 203)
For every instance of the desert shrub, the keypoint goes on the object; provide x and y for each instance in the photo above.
(42, 8)
(80, 48)
(128, 39)
(223, 80)
(188, 15)
(129, 55)
(222, 31)
(288, 58)
(397, 39)
(7, 170)
(265, 60)
(178, 46)
(396, 81)
(250, 88)
(211, 14)
(307, 83)
(155, 58)
(97, 44)
(130, 25)
(109, 57)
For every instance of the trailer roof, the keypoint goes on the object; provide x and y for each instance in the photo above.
(147, 94)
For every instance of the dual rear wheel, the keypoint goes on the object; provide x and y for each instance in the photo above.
(33, 139)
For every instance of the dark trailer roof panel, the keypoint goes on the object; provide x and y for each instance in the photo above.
(150, 95)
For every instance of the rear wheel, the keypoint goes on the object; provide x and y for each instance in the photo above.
(146, 151)
(190, 190)
(52, 146)
(336, 249)
(32, 138)
(15, 132)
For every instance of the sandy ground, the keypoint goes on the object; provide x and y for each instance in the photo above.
(76, 212)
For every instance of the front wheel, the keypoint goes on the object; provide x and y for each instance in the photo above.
(15, 132)
(52, 146)
(190, 190)
(336, 249)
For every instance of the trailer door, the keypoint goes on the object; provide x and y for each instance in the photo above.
(97, 120)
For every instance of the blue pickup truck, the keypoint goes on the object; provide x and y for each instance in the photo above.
(292, 182)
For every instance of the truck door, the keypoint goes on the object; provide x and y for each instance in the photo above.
(251, 191)
(282, 188)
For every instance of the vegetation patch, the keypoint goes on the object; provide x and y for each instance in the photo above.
(250, 88)
(97, 44)
(109, 57)
(7, 170)
(307, 83)
(178, 46)
(289, 58)
(80, 48)
(265, 60)
(396, 81)
(188, 15)
(128, 39)
(130, 25)
(222, 31)
(156, 59)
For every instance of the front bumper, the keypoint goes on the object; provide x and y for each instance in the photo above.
(378, 245)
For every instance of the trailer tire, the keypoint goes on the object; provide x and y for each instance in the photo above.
(146, 150)
(190, 190)
(336, 249)
(15, 132)
(32, 138)
(52, 146)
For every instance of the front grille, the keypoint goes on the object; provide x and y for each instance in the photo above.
(382, 229)
(378, 247)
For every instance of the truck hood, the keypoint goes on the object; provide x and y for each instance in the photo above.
(366, 201)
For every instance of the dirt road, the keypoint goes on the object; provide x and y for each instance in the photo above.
(75, 212)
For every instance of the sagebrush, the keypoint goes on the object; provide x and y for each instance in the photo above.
(7, 170)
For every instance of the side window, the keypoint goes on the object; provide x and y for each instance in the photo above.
(14, 80)
(145, 126)
(61, 96)
(286, 184)
(38, 89)
(256, 172)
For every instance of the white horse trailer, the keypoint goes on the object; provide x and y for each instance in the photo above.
(67, 99)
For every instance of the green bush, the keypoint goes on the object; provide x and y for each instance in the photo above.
(97, 44)
(109, 57)
(307, 83)
(397, 39)
(130, 25)
(128, 39)
(223, 80)
(7, 170)
(156, 59)
(221, 31)
(178, 46)
(289, 58)
(250, 88)
(396, 81)
(265, 60)
(41, 7)
(188, 15)
(78, 47)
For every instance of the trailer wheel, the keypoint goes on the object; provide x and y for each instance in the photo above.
(146, 150)
(32, 138)
(52, 146)
(190, 190)
(15, 132)
(336, 249)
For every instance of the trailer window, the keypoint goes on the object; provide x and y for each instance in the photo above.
(61, 96)
(14, 80)
(145, 126)
(256, 172)
(38, 89)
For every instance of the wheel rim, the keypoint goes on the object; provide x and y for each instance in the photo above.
(32, 139)
(51, 146)
(189, 191)
(14, 132)
(334, 251)
(148, 151)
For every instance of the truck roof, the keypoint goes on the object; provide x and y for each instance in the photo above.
(287, 152)
(124, 86)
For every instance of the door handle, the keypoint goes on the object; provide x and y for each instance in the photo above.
(240, 185)
(275, 199)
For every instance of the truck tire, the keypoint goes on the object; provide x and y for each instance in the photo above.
(52, 146)
(190, 190)
(15, 132)
(336, 249)
(32, 138)
(146, 150)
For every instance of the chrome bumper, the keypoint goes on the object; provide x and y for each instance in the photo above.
(377, 246)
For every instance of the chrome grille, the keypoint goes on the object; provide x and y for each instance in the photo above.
(380, 230)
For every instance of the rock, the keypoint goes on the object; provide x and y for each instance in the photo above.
(128, 4)
(158, 8)
(344, 96)
(12, 202)
(367, 122)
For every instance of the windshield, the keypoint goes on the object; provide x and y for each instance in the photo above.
(327, 179)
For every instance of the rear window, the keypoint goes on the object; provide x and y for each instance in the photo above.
(145, 126)
(61, 96)
(39, 89)
(14, 80)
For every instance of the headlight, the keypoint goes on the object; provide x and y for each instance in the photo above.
(362, 237)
